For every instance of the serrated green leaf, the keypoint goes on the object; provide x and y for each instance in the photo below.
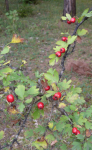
(68, 16)
(60, 126)
(76, 146)
(81, 32)
(85, 12)
(72, 107)
(57, 59)
(41, 130)
(71, 98)
(1, 134)
(38, 75)
(80, 137)
(88, 125)
(28, 100)
(21, 107)
(5, 50)
(63, 18)
(50, 138)
(36, 114)
(52, 56)
(75, 90)
(33, 91)
(62, 44)
(40, 144)
(50, 93)
(28, 133)
(71, 39)
(89, 14)
(64, 85)
(20, 91)
(80, 19)
(52, 62)
(81, 120)
(63, 147)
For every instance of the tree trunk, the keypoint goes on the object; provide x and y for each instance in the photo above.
(69, 7)
(7, 5)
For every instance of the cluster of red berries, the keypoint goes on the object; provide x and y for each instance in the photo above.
(75, 131)
(71, 21)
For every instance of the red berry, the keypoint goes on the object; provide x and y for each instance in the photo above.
(40, 105)
(78, 132)
(73, 20)
(69, 22)
(58, 54)
(64, 39)
(62, 50)
(57, 96)
(74, 130)
(10, 98)
(47, 88)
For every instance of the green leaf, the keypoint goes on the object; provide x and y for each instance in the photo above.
(71, 98)
(52, 77)
(63, 18)
(41, 130)
(5, 50)
(40, 144)
(36, 114)
(1, 134)
(76, 146)
(5, 71)
(38, 75)
(28, 133)
(64, 85)
(68, 16)
(62, 44)
(81, 32)
(80, 19)
(60, 126)
(28, 100)
(52, 56)
(63, 147)
(21, 107)
(82, 120)
(20, 91)
(50, 93)
(87, 146)
(6, 81)
(2, 61)
(88, 112)
(64, 118)
(85, 12)
(50, 138)
(52, 62)
(80, 137)
(80, 100)
(88, 125)
(89, 14)
(33, 91)
(71, 39)
(75, 90)
(72, 107)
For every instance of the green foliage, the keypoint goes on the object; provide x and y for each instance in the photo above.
(30, 1)
(1, 134)
(25, 10)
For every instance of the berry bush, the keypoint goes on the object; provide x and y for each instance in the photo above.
(67, 125)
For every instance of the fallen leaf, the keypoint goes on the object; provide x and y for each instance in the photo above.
(78, 39)
(17, 39)
(12, 110)
(14, 122)
(88, 133)
(62, 105)
(53, 142)
(62, 98)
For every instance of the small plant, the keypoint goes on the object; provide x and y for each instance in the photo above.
(12, 16)
(25, 10)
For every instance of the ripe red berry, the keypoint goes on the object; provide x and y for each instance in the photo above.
(64, 39)
(62, 50)
(40, 105)
(73, 20)
(78, 132)
(57, 96)
(74, 130)
(47, 88)
(69, 22)
(10, 98)
(58, 54)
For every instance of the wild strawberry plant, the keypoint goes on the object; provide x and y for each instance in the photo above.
(68, 125)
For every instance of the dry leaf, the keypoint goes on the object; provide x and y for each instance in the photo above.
(17, 39)
(53, 142)
(62, 98)
(78, 39)
(88, 133)
(12, 110)
(15, 122)
(79, 126)
(62, 105)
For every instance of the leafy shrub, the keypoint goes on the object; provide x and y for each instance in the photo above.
(30, 1)
(25, 10)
